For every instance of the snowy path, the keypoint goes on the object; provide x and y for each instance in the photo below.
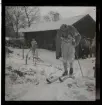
(49, 57)
(56, 91)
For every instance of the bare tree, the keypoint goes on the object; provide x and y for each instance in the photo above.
(52, 16)
(14, 15)
(9, 22)
(55, 16)
(21, 17)
(32, 14)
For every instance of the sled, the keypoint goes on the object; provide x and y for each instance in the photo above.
(52, 79)
(63, 78)
(60, 78)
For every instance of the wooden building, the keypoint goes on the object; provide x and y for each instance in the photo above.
(45, 33)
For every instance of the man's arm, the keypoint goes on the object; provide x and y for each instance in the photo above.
(77, 36)
(77, 39)
(35, 42)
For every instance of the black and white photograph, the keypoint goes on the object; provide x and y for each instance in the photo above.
(50, 53)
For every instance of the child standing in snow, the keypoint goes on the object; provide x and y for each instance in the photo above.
(33, 47)
(69, 40)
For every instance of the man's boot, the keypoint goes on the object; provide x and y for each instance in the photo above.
(65, 68)
(71, 72)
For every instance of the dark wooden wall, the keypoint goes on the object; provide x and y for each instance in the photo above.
(86, 26)
(45, 39)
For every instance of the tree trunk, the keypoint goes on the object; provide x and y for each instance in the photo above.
(26, 59)
(27, 17)
(17, 34)
(23, 53)
(23, 49)
(17, 29)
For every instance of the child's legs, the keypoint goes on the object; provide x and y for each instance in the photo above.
(33, 53)
(65, 65)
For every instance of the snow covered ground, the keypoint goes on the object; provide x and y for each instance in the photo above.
(36, 88)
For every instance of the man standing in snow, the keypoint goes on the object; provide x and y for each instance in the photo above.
(33, 47)
(70, 38)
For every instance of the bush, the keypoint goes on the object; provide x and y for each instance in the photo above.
(13, 77)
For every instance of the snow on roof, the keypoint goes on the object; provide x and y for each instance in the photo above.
(52, 25)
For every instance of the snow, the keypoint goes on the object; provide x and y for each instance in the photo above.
(34, 87)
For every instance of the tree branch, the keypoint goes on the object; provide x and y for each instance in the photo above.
(27, 16)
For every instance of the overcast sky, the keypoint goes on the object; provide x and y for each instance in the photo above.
(70, 11)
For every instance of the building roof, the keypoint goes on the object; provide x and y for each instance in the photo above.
(52, 25)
